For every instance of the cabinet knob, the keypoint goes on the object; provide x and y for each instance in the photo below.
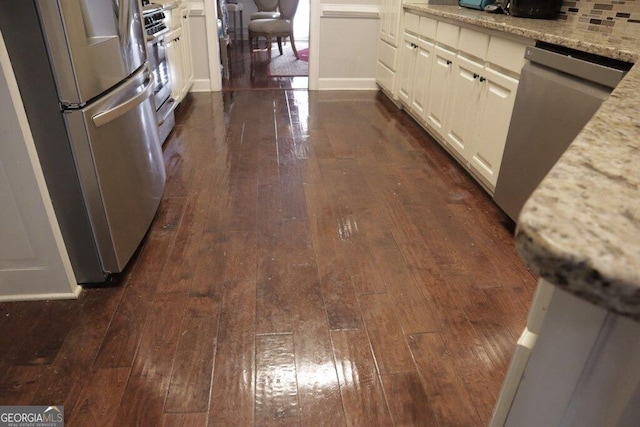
(475, 75)
(448, 62)
(482, 79)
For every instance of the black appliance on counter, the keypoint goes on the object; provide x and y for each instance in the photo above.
(541, 9)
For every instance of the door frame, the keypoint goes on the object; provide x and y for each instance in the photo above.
(213, 45)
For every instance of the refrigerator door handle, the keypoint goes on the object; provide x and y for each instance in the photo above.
(111, 114)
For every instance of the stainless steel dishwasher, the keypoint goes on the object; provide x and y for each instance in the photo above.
(560, 89)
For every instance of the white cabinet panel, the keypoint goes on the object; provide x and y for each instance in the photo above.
(499, 92)
(461, 129)
(422, 76)
(440, 88)
(405, 87)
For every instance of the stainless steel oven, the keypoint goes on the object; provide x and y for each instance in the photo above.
(155, 22)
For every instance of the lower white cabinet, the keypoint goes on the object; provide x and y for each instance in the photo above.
(462, 89)
(440, 88)
(479, 114)
(386, 67)
(415, 76)
(178, 46)
(498, 94)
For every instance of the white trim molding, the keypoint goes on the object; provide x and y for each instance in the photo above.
(347, 84)
(352, 11)
(196, 8)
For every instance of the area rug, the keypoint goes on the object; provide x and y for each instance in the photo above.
(304, 54)
(286, 65)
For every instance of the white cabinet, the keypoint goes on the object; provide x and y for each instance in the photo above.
(178, 45)
(495, 106)
(390, 12)
(460, 83)
(416, 65)
(187, 61)
(388, 44)
(481, 102)
(479, 115)
(440, 88)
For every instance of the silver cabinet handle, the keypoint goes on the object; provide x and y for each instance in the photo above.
(117, 111)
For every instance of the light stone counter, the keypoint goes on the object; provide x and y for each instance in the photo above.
(580, 229)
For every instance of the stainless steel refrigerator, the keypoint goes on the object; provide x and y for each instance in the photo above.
(82, 71)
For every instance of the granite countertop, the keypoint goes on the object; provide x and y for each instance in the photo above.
(580, 229)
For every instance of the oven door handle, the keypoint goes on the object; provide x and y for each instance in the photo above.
(169, 110)
(156, 36)
(111, 114)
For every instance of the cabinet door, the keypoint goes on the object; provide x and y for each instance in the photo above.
(439, 88)
(390, 21)
(175, 64)
(186, 51)
(421, 77)
(498, 93)
(462, 123)
(405, 88)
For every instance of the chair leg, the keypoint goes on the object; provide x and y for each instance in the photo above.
(269, 42)
(280, 45)
(241, 27)
(293, 46)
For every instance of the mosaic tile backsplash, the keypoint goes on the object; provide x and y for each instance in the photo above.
(602, 12)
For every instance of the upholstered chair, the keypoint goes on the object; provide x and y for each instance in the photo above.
(275, 28)
(267, 9)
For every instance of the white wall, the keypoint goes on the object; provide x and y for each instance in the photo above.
(347, 46)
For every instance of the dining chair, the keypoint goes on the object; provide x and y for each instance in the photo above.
(267, 9)
(278, 28)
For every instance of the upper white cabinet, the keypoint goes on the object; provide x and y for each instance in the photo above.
(178, 44)
(460, 84)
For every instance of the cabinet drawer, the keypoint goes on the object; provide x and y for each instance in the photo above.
(387, 54)
(428, 28)
(384, 77)
(411, 23)
(447, 34)
(506, 53)
(474, 43)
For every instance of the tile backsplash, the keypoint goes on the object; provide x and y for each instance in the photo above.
(601, 12)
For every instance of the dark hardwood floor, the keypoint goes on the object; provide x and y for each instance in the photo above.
(317, 260)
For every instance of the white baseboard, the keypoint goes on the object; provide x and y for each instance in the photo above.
(347, 84)
(37, 297)
(201, 85)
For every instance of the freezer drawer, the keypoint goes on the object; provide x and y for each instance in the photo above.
(117, 150)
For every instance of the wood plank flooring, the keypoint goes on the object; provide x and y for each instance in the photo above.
(317, 260)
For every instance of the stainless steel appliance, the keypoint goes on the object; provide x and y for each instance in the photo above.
(155, 24)
(559, 91)
(86, 86)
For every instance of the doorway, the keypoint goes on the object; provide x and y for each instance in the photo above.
(250, 69)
